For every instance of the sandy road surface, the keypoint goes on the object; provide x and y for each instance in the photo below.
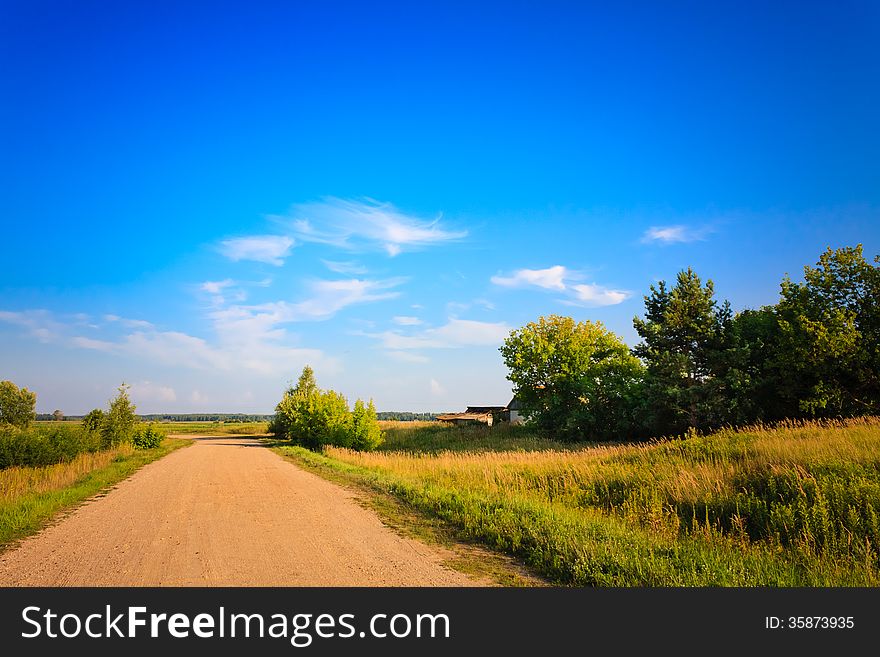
(224, 512)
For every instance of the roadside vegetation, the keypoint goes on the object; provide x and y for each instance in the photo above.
(32, 496)
(25, 443)
(215, 428)
(436, 437)
(316, 418)
(701, 367)
(47, 467)
(792, 505)
(722, 450)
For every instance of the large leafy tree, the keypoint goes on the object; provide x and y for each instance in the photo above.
(830, 335)
(683, 332)
(575, 380)
(16, 405)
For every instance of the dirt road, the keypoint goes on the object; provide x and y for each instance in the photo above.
(224, 512)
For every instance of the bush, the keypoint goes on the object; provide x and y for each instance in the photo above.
(366, 434)
(94, 420)
(313, 418)
(40, 446)
(147, 436)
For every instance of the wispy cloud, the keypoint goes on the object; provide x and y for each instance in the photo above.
(676, 234)
(270, 249)
(256, 346)
(216, 287)
(404, 320)
(597, 295)
(128, 323)
(552, 278)
(455, 333)
(561, 279)
(436, 389)
(364, 224)
(39, 324)
(348, 268)
(407, 357)
(329, 297)
(145, 391)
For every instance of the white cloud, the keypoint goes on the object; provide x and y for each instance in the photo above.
(90, 343)
(245, 340)
(271, 249)
(365, 223)
(216, 287)
(198, 397)
(676, 234)
(404, 320)
(551, 278)
(151, 392)
(597, 295)
(436, 389)
(562, 279)
(407, 357)
(128, 323)
(349, 268)
(465, 332)
(329, 297)
(455, 333)
(40, 324)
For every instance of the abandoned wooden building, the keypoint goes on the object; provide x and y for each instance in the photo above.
(487, 415)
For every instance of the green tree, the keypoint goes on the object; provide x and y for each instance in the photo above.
(93, 420)
(295, 402)
(313, 418)
(683, 333)
(120, 421)
(577, 380)
(16, 405)
(366, 434)
(748, 370)
(830, 335)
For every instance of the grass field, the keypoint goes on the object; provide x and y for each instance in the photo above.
(792, 505)
(215, 428)
(195, 428)
(30, 497)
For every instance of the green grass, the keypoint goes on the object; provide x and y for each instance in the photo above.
(215, 428)
(436, 437)
(31, 497)
(192, 428)
(793, 505)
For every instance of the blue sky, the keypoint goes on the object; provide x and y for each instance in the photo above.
(199, 198)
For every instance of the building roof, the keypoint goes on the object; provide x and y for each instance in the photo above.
(485, 409)
(515, 405)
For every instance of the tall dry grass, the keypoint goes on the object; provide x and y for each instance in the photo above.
(794, 504)
(18, 481)
(31, 496)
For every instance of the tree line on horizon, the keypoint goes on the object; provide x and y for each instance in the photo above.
(699, 366)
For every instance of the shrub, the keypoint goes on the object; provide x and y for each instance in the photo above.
(147, 436)
(313, 418)
(93, 420)
(366, 434)
(41, 446)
